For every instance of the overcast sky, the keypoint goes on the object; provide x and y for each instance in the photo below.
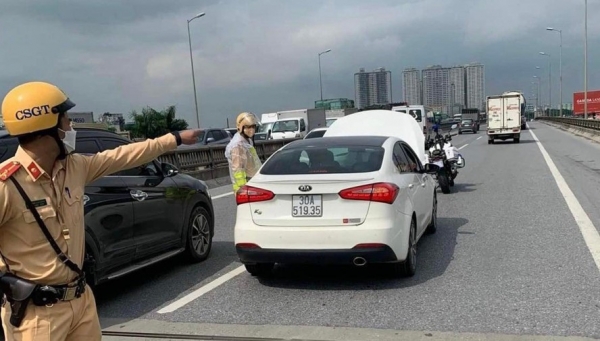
(261, 55)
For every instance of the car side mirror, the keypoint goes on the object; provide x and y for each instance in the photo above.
(210, 139)
(431, 168)
(168, 169)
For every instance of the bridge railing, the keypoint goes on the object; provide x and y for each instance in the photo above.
(209, 162)
(576, 122)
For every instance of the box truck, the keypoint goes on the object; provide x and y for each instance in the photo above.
(504, 116)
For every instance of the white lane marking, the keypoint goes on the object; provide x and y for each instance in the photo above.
(222, 195)
(587, 228)
(202, 290)
(463, 146)
(478, 137)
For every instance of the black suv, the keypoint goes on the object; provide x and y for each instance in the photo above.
(139, 216)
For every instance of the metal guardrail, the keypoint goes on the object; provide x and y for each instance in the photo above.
(577, 122)
(209, 162)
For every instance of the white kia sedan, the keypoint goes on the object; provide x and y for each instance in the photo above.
(337, 200)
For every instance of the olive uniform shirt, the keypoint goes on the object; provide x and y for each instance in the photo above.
(59, 200)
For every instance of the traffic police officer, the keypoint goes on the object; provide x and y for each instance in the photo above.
(240, 152)
(53, 179)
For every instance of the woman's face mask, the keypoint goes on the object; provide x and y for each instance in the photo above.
(69, 140)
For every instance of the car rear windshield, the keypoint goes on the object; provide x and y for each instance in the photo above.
(324, 160)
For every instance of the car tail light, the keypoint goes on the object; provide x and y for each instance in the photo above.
(247, 194)
(369, 246)
(379, 192)
(247, 246)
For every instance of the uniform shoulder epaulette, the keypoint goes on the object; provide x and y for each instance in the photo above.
(9, 169)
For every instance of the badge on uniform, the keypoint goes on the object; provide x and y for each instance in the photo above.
(39, 203)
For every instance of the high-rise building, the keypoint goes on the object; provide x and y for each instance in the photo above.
(372, 88)
(411, 86)
(458, 85)
(475, 74)
(436, 87)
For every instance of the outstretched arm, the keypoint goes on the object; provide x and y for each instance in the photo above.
(134, 154)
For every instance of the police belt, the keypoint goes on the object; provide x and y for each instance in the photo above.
(50, 294)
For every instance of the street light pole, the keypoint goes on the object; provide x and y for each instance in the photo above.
(320, 80)
(192, 63)
(549, 82)
(560, 67)
(539, 81)
(539, 86)
(585, 98)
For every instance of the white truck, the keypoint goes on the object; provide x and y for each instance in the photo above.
(266, 125)
(333, 114)
(297, 123)
(504, 116)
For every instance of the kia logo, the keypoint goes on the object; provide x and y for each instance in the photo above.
(305, 188)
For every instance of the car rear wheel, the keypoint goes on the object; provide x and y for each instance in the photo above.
(410, 264)
(408, 267)
(200, 235)
(432, 227)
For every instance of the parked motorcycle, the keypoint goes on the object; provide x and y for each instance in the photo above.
(442, 153)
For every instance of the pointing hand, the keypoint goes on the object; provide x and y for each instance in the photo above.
(189, 136)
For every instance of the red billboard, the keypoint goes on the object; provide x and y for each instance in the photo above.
(593, 99)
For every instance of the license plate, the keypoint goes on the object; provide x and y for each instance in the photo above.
(307, 206)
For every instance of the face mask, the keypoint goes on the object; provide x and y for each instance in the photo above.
(69, 140)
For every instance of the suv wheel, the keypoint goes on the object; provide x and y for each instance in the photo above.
(200, 234)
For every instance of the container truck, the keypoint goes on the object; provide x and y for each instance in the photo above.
(504, 116)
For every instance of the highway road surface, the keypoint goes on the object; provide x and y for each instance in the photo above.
(517, 253)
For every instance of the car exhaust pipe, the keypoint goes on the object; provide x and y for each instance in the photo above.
(359, 261)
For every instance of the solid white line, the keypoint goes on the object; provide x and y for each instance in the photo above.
(587, 228)
(222, 195)
(463, 146)
(202, 290)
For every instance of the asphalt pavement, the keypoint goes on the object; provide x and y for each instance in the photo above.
(508, 259)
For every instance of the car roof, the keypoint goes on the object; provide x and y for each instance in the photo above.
(363, 141)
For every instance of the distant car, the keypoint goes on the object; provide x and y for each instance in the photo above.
(467, 125)
(357, 200)
(209, 137)
(231, 131)
(139, 216)
(317, 132)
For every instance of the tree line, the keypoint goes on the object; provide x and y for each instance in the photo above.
(151, 123)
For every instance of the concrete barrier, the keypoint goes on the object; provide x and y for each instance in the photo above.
(590, 129)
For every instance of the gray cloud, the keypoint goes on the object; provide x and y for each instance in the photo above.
(262, 55)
